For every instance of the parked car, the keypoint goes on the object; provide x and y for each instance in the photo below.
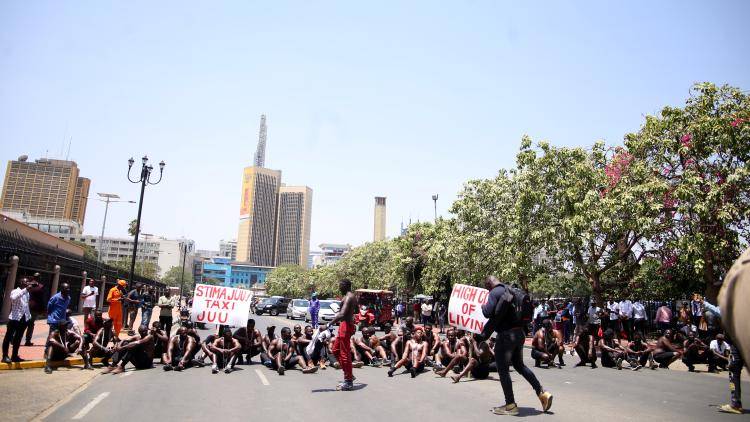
(273, 305)
(297, 308)
(328, 309)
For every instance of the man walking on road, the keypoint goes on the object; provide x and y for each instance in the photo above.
(501, 312)
(341, 346)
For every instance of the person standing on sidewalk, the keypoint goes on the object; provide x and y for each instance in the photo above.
(501, 312)
(57, 311)
(134, 301)
(114, 298)
(165, 304)
(36, 306)
(89, 295)
(342, 345)
(147, 305)
(19, 314)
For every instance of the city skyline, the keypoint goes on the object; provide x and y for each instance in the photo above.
(441, 97)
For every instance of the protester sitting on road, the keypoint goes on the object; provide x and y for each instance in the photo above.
(206, 350)
(367, 349)
(408, 325)
(546, 345)
(414, 356)
(718, 354)
(161, 341)
(94, 322)
(301, 343)
(178, 351)
(225, 350)
(270, 336)
(665, 352)
(433, 343)
(251, 341)
(100, 346)
(638, 353)
(460, 355)
(73, 323)
(694, 351)
(447, 351)
(387, 339)
(283, 355)
(481, 362)
(137, 350)
(61, 342)
(317, 347)
(612, 353)
(584, 345)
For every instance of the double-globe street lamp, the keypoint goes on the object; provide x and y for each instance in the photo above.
(143, 180)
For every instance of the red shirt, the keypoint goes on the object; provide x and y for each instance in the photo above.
(91, 326)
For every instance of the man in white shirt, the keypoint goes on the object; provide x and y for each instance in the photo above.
(626, 317)
(317, 345)
(19, 314)
(614, 317)
(639, 318)
(426, 312)
(88, 296)
(718, 355)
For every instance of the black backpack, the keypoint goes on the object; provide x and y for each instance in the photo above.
(522, 308)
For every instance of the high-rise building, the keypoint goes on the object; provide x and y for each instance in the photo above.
(46, 189)
(379, 218)
(256, 237)
(293, 228)
(228, 249)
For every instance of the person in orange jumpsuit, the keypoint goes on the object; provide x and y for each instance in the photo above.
(114, 298)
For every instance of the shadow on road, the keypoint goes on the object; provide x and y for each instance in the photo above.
(329, 390)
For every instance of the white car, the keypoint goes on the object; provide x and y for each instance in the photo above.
(297, 308)
(328, 309)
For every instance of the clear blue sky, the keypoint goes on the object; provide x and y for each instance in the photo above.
(384, 98)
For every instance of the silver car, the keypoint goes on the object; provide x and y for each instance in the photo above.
(328, 309)
(297, 309)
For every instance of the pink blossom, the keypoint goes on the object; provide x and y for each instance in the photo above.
(685, 140)
(736, 122)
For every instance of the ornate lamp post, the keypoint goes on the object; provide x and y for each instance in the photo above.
(144, 179)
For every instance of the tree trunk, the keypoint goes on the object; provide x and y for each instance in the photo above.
(596, 289)
(713, 284)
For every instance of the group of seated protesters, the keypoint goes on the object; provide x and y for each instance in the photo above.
(548, 345)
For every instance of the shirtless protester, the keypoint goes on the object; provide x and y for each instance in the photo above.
(447, 351)
(283, 355)
(665, 352)
(137, 350)
(161, 340)
(265, 355)
(638, 353)
(61, 342)
(386, 340)
(414, 356)
(460, 355)
(584, 345)
(226, 350)
(367, 349)
(342, 345)
(104, 343)
(433, 343)
(178, 350)
(481, 360)
(251, 341)
(546, 345)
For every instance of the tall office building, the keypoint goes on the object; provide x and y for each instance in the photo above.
(46, 189)
(293, 229)
(256, 238)
(379, 218)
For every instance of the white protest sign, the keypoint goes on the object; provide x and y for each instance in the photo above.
(221, 305)
(465, 308)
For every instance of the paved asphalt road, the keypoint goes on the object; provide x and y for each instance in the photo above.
(256, 392)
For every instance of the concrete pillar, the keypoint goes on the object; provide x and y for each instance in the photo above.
(9, 284)
(103, 292)
(83, 284)
(55, 280)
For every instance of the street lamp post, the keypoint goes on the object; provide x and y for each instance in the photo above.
(434, 199)
(143, 180)
(108, 197)
(182, 275)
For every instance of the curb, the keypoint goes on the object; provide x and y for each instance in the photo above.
(30, 364)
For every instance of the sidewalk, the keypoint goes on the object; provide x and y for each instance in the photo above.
(41, 330)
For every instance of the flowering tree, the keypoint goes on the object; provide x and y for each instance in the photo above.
(699, 154)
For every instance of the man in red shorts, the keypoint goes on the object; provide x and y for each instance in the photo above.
(341, 345)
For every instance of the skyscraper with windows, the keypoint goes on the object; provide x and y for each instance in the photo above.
(379, 232)
(256, 237)
(46, 188)
(293, 229)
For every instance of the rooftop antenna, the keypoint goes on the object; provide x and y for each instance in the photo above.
(67, 153)
(260, 153)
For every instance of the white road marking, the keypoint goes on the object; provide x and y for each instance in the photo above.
(86, 409)
(262, 377)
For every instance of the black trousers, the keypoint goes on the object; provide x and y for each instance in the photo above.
(735, 369)
(14, 334)
(166, 324)
(509, 351)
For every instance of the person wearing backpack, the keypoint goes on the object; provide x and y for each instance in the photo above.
(505, 309)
